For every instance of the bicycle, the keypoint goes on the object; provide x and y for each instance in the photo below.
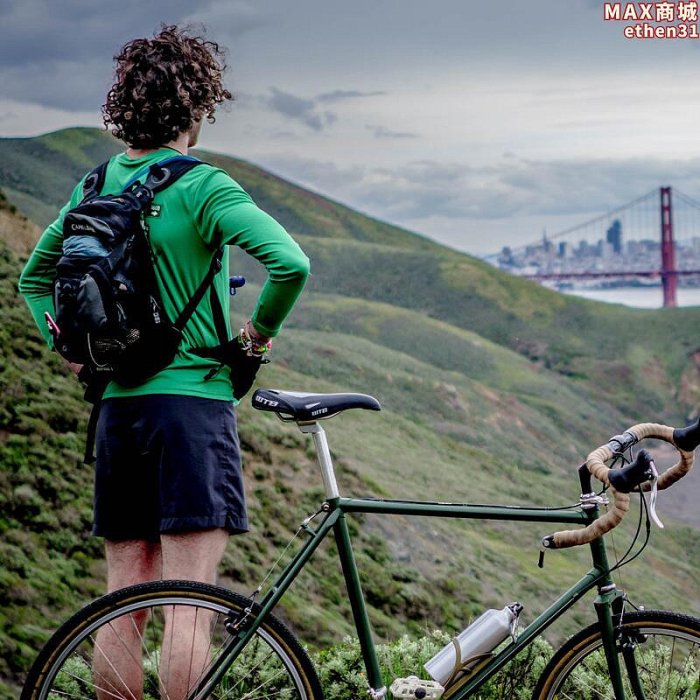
(640, 654)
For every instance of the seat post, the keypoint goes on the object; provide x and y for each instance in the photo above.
(324, 457)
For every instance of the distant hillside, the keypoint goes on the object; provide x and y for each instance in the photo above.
(66, 156)
(493, 389)
(18, 232)
(641, 361)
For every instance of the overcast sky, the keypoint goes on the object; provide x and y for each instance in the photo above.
(476, 122)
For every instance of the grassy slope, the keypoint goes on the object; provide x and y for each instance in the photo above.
(464, 416)
(636, 358)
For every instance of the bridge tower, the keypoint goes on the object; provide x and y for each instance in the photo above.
(669, 278)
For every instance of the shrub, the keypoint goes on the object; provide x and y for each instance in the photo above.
(342, 673)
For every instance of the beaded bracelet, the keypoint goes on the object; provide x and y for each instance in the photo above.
(253, 348)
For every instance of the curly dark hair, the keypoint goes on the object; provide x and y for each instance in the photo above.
(163, 86)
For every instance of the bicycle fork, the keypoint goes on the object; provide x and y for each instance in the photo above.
(609, 607)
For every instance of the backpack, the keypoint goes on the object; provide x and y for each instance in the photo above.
(110, 316)
(109, 312)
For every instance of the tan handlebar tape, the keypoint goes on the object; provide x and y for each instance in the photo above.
(679, 469)
(621, 501)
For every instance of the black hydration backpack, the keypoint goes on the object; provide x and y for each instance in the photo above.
(109, 312)
(110, 316)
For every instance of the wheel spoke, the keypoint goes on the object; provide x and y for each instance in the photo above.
(251, 671)
(670, 662)
(157, 640)
(112, 666)
(71, 695)
(664, 656)
(265, 682)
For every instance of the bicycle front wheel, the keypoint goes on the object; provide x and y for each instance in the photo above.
(158, 640)
(659, 656)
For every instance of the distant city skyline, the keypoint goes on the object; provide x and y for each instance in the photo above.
(615, 260)
(636, 220)
(477, 124)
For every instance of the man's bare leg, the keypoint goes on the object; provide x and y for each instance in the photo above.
(185, 651)
(117, 666)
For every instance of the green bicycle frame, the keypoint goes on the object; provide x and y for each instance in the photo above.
(336, 508)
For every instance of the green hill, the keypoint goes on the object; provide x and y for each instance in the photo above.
(494, 389)
(639, 360)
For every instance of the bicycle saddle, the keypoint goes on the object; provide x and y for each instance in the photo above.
(305, 408)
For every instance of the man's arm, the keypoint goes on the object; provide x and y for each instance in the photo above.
(286, 264)
(227, 215)
(37, 278)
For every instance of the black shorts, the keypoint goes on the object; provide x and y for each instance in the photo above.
(167, 464)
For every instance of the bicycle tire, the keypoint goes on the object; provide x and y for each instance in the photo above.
(666, 649)
(78, 661)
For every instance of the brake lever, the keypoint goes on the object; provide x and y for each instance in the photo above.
(653, 493)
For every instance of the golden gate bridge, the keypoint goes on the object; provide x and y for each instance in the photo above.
(655, 237)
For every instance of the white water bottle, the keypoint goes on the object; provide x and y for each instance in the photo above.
(478, 640)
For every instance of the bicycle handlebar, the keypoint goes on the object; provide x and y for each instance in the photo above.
(621, 481)
(626, 479)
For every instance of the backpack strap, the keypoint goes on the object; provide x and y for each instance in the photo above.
(159, 176)
(95, 385)
(94, 181)
(193, 303)
(166, 172)
(218, 313)
(163, 173)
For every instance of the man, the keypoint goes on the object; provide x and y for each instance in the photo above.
(168, 488)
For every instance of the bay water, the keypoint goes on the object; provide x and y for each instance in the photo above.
(639, 297)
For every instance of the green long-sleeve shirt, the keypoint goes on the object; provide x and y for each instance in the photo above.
(202, 211)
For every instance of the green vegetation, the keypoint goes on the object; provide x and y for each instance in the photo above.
(493, 388)
(624, 353)
(341, 671)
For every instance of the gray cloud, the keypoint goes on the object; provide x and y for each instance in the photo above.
(481, 209)
(70, 85)
(382, 132)
(310, 111)
(338, 95)
(229, 20)
(299, 108)
(512, 188)
(36, 31)
(541, 78)
(59, 54)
